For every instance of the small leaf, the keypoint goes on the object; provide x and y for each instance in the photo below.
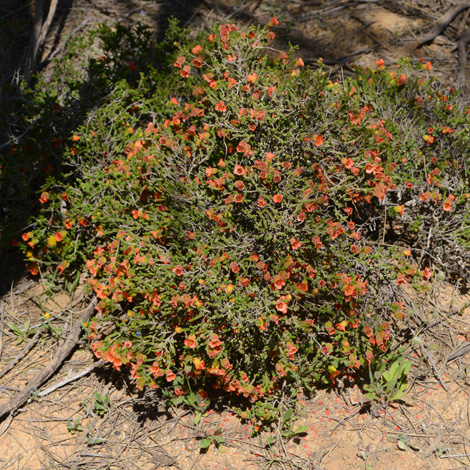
(205, 443)
(197, 418)
(270, 440)
(301, 430)
(402, 445)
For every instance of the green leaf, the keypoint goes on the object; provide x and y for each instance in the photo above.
(287, 416)
(270, 440)
(300, 430)
(402, 445)
(205, 443)
(197, 418)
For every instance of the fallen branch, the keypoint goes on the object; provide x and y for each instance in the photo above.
(441, 25)
(462, 47)
(23, 352)
(64, 350)
(67, 380)
(40, 31)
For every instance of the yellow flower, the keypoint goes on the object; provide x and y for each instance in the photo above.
(47, 315)
(51, 241)
(29, 255)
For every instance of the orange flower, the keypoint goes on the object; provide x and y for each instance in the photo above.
(234, 267)
(214, 342)
(58, 236)
(178, 270)
(447, 206)
(380, 63)
(279, 283)
(197, 50)
(44, 198)
(170, 375)
(261, 202)
(252, 78)
(348, 290)
(239, 170)
(295, 244)
(190, 341)
(281, 305)
(303, 286)
(318, 139)
(220, 106)
(277, 198)
(185, 72)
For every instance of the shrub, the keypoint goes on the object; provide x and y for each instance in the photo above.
(253, 236)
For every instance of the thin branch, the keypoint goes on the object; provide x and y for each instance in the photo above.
(70, 379)
(64, 350)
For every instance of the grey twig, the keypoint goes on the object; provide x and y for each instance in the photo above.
(70, 379)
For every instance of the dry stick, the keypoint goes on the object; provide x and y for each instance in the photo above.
(426, 353)
(462, 46)
(442, 24)
(25, 350)
(64, 350)
(67, 380)
(32, 49)
(2, 325)
(39, 33)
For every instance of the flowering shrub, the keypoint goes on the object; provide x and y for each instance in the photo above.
(252, 237)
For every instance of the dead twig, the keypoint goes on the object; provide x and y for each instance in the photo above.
(462, 48)
(442, 24)
(24, 351)
(40, 31)
(2, 325)
(63, 351)
(68, 380)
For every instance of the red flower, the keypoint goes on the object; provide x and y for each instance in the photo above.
(178, 270)
(277, 198)
(303, 286)
(318, 139)
(316, 241)
(252, 78)
(261, 202)
(190, 341)
(238, 198)
(44, 198)
(197, 50)
(220, 106)
(348, 290)
(239, 170)
(234, 267)
(170, 375)
(447, 206)
(214, 342)
(355, 249)
(185, 72)
(179, 61)
(58, 236)
(281, 305)
(295, 244)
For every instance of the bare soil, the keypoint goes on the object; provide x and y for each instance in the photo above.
(427, 430)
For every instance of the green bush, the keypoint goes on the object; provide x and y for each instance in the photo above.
(251, 237)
